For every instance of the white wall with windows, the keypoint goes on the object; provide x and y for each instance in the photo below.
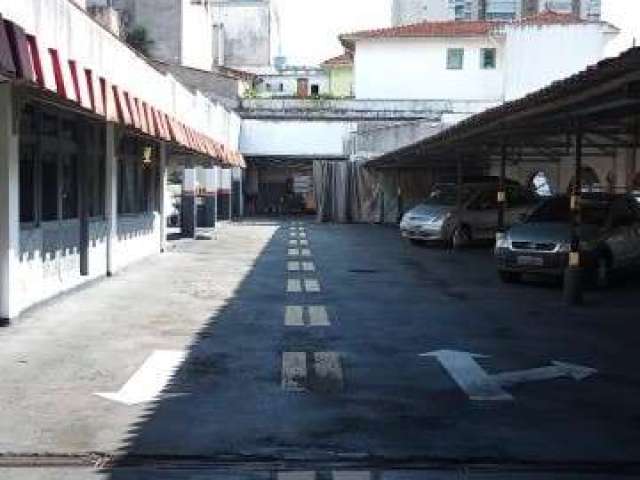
(535, 56)
(417, 68)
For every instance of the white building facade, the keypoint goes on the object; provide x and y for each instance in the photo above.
(473, 61)
(87, 130)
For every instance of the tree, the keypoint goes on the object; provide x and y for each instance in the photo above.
(138, 39)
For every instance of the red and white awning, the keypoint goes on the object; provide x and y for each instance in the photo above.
(24, 59)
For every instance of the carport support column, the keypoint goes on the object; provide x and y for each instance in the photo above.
(111, 195)
(459, 182)
(573, 273)
(210, 199)
(9, 204)
(502, 196)
(189, 213)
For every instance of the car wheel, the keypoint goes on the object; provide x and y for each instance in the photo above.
(509, 277)
(603, 271)
(461, 237)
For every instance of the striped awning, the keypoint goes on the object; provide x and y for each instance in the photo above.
(24, 59)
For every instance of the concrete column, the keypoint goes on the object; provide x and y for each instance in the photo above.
(9, 204)
(236, 193)
(210, 199)
(163, 196)
(111, 195)
(189, 207)
(224, 194)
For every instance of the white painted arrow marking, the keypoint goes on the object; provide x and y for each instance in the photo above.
(470, 377)
(479, 385)
(150, 380)
(556, 370)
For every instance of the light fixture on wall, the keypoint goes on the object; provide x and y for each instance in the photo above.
(146, 156)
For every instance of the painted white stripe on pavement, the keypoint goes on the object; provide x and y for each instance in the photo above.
(294, 316)
(293, 243)
(296, 475)
(352, 475)
(150, 379)
(328, 369)
(294, 371)
(308, 266)
(304, 243)
(305, 252)
(311, 285)
(318, 316)
(293, 266)
(294, 285)
(293, 252)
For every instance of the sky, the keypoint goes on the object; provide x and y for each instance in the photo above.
(310, 27)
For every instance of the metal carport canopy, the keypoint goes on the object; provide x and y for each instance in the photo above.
(603, 102)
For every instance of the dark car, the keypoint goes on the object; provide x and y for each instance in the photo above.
(609, 233)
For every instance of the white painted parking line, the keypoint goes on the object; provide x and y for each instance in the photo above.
(294, 371)
(294, 285)
(318, 316)
(296, 475)
(293, 243)
(305, 252)
(311, 316)
(293, 252)
(302, 235)
(293, 266)
(308, 266)
(149, 380)
(352, 475)
(311, 285)
(294, 316)
(328, 370)
(304, 243)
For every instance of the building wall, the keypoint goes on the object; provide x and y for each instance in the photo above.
(247, 33)
(411, 11)
(291, 138)
(416, 69)
(537, 56)
(197, 35)
(289, 83)
(341, 81)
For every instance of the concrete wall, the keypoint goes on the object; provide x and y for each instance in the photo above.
(341, 81)
(303, 138)
(197, 35)
(289, 83)
(61, 25)
(138, 237)
(247, 33)
(417, 69)
(536, 56)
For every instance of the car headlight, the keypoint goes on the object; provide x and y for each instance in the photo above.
(564, 247)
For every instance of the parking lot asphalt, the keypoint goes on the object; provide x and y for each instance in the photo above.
(302, 349)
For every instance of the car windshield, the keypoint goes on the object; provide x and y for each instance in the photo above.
(557, 210)
(448, 195)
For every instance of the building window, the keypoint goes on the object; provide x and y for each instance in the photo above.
(488, 58)
(268, 87)
(315, 89)
(281, 87)
(49, 187)
(455, 58)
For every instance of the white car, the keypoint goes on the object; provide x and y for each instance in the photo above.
(437, 218)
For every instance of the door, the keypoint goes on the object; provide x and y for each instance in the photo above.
(303, 87)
